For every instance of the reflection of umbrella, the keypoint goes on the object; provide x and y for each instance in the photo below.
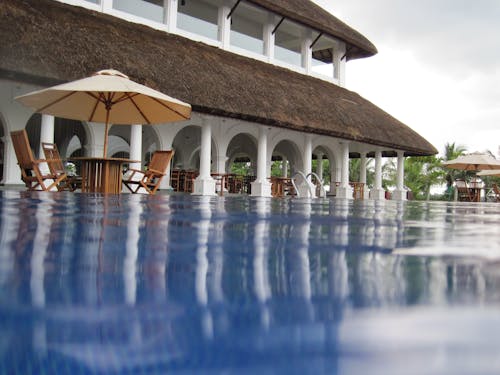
(491, 172)
(107, 96)
(473, 162)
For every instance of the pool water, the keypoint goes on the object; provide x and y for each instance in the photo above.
(133, 284)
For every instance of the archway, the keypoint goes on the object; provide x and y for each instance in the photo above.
(119, 142)
(321, 164)
(286, 159)
(242, 155)
(69, 135)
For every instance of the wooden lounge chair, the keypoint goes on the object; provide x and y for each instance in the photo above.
(496, 192)
(464, 193)
(56, 167)
(31, 174)
(149, 179)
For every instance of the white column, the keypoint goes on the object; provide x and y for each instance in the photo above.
(107, 5)
(261, 187)
(170, 16)
(221, 163)
(344, 190)
(319, 165)
(11, 171)
(46, 133)
(400, 192)
(284, 167)
(136, 146)
(362, 175)
(269, 38)
(378, 193)
(307, 167)
(204, 183)
(306, 52)
(224, 33)
(339, 64)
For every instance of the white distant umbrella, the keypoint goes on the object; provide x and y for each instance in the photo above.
(475, 161)
(491, 172)
(108, 96)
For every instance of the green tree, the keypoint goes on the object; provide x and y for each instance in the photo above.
(453, 151)
(422, 173)
(355, 170)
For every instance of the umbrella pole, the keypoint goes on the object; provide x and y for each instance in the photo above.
(106, 135)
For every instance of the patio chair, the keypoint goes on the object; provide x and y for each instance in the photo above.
(56, 167)
(496, 192)
(149, 179)
(32, 175)
(463, 191)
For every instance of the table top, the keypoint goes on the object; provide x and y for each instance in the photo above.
(97, 158)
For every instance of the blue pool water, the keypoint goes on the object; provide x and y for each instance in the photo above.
(178, 284)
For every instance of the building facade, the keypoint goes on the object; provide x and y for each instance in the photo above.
(266, 81)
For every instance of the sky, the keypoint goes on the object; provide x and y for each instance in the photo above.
(437, 69)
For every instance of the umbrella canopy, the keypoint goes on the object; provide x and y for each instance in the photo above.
(108, 96)
(491, 172)
(475, 161)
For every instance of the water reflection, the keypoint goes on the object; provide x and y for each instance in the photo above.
(128, 283)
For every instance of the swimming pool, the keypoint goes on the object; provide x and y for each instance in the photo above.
(129, 284)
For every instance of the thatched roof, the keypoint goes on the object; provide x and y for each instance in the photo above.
(47, 42)
(310, 14)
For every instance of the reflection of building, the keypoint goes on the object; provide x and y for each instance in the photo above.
(265, 79)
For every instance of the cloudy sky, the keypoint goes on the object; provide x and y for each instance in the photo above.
(437, 69)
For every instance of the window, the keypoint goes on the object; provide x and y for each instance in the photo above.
(288, 43)
(247, 27)
(148, 9)
(198, 17)
(322, 56)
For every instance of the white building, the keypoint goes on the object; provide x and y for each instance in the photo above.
(265, 80)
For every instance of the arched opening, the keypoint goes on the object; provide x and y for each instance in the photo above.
(241, 163)
(285, 162)
(321, 165)
(119, 142)
(286, 159)
(242, 155)
(69, 136)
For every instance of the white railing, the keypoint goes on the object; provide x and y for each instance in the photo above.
(322, 192)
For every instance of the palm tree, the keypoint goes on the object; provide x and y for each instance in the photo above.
(355, 170)
(453, 151)
(421, 173)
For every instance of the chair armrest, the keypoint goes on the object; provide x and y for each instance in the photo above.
(156, 171)
(134, 170)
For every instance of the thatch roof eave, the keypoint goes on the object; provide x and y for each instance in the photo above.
(47, 42)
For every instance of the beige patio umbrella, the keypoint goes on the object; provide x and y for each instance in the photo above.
(475, 161)
(491, 172)
(107, 96)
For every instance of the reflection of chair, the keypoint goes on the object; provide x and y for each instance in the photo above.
(57, 168)
(464, 193)
(31, 174)
(150, 178)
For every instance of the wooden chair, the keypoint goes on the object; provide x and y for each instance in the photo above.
(464, 193)
(496, 192)
(56, 167)
(150, 178)
(31, 174)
